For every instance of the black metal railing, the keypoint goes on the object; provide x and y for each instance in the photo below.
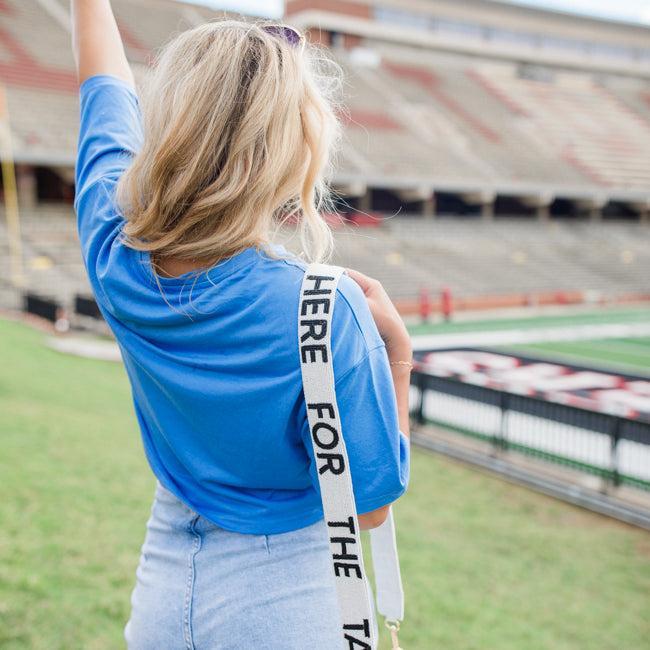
(611, 446)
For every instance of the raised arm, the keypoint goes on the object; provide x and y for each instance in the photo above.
(96, 41)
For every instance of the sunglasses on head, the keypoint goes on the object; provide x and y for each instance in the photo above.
(286, 33)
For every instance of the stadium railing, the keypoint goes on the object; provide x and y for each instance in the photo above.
(611, 446)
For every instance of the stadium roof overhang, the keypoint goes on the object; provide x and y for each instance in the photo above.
(532, 192)
(44, 158)
(329, 21)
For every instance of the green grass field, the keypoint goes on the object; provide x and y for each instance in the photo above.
(627, 354)
(631, 355)
(485, 565)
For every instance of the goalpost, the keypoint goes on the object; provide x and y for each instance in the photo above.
(10, 195)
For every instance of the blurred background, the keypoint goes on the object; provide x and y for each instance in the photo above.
(495, 177)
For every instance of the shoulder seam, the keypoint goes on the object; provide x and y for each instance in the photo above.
(354, 315)
(358, 363)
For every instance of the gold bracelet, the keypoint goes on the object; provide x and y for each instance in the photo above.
(402, 363)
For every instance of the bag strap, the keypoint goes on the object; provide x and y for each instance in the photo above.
(316, 306)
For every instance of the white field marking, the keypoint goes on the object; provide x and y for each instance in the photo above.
(533, 335)
(89, 348)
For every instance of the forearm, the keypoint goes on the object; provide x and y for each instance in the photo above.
(402, 380)
(96, 41)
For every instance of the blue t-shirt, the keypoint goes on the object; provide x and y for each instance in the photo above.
(214, 364)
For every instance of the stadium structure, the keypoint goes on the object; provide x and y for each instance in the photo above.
(499, 151)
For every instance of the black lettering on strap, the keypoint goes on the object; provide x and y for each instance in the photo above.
(353, 641)
(312, 325)
(349, 524)
(318, 280)
(321, 407)
(333, 462)
(314, 302)
(317, 432)
(346, 568)
(344, 541)
(317, 300)
(312, 350)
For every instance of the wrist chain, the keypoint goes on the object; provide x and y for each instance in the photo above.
(402, 363)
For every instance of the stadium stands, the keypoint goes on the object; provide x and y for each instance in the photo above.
(482, 120)
(445, 120)
(427, 126)
(53, 264)
(509, 257)
(434, 103)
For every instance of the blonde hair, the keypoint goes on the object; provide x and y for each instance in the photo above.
(240, 133)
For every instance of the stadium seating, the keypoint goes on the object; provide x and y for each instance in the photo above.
(416, 114)
(406, 253)
(507, 256)
(53, 265)
(412, 116)
(480, 119)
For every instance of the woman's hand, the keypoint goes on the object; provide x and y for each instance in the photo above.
(389, 323)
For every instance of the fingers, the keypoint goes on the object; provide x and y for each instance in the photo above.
(365, 282)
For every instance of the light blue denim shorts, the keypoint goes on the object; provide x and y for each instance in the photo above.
(202, 587)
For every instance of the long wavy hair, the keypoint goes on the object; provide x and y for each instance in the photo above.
(240, 134)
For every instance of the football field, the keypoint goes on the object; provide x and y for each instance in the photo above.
(582, 344)
(631, 354)
(598, 361)
(485, 564)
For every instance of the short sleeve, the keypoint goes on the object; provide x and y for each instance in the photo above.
(378, 451)
(110, 134)
(110, 129)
